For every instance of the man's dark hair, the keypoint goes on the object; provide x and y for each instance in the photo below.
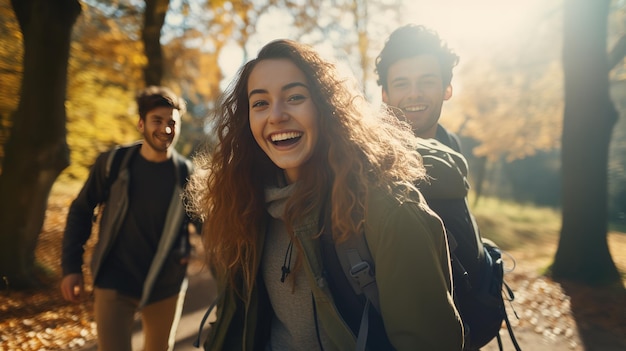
(156, 96)
(412, 40)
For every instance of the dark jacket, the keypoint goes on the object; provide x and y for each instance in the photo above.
(448, 138)
(410, 251)
(454, 212)
(94, 192)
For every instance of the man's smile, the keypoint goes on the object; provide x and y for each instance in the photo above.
(415, 108)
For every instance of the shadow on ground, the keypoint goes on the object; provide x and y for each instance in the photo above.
(600, 315)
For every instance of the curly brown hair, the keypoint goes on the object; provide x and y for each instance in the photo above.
(359, 146)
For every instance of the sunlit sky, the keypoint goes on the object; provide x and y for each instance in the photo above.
(469, 26)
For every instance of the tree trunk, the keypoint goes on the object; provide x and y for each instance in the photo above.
(154, 17)
(583, 254)
(480, 167)
(36, 151)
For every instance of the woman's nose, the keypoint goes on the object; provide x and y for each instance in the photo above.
(278, 114)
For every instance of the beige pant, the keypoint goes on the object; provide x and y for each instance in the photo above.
(115, 315)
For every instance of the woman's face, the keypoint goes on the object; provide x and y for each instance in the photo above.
(283, 117)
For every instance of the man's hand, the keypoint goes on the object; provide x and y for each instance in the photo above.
(72, 287)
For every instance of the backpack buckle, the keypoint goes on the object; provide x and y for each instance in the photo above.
(361, 272)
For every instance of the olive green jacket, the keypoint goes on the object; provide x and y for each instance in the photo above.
(410, 251)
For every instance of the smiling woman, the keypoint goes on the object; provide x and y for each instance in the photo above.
(302, 155)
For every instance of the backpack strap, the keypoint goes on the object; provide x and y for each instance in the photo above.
(198, 340)
(358, 267)
(356, 261)
(110, 160)
(118, 159)
(494, 252)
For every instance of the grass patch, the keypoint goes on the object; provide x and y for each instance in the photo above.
(618, 226)
(513, 225)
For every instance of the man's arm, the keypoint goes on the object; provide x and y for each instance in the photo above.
(78, 227)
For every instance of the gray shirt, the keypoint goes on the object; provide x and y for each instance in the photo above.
(293, 326)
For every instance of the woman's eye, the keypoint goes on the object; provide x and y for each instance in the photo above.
(296, 97)
(258, 103)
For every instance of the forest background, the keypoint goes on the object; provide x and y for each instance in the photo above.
(508, 105)
(539, 99)
(508, 87)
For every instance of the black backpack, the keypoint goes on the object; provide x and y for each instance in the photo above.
(477, 268)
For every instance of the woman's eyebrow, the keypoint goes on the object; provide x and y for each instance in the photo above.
(257, 91)
(286, 87)
(293, 85)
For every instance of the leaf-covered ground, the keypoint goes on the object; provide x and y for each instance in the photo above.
(552, 316)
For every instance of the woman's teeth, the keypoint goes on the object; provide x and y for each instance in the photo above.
(285, 136)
